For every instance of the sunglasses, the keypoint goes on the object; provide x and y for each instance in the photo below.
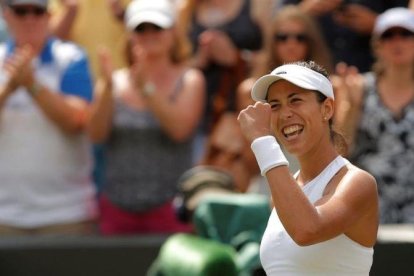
(24, 11)
(142, 28)
(283, 37)
(390, 34)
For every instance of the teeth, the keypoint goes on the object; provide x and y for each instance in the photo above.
(291, 129)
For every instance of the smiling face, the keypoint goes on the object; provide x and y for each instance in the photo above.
(299, 120)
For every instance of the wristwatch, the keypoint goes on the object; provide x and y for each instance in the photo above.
(34, 89)
(148, 89)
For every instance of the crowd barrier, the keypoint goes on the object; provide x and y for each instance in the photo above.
(124, 256)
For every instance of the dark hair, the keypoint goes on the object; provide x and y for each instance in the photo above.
(313, 66)
(337, 138)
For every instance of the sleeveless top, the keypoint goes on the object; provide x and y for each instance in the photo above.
(246, 35)
(143, 163)
(280, 255)
(384, 146)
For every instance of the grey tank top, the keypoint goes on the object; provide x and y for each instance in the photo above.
(143, 163)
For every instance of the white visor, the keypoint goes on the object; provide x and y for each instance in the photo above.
(298, 75)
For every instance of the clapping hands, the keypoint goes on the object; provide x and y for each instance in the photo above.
(215, 47)
(18, 68)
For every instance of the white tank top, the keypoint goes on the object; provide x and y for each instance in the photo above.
(280, 255)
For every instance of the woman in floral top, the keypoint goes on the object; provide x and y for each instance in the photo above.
(378, 114)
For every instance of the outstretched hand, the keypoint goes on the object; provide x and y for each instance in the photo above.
(255, 121)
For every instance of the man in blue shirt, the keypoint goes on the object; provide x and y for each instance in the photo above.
(45, 95)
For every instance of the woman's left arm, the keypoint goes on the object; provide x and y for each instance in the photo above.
(262, 12)
(180, 116)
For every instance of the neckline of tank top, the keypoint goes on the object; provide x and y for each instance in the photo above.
(334, 167)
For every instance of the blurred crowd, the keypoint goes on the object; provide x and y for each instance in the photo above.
(106, 105)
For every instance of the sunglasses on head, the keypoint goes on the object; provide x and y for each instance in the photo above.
(283, 37)
(142, 28)
(391, 33)
(24, 11)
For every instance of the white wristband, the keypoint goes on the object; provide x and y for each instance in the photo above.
(268, 153)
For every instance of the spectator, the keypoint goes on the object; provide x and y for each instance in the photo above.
(347, 26)
(223, 34)
(147, 113)
(226, 149)
(377, 113)
(45, 92)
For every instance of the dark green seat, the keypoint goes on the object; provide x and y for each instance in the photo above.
(189, 255)
(238, 220)
(229, 230)
(230, 217)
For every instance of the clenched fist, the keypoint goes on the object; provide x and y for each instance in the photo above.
(255, 121)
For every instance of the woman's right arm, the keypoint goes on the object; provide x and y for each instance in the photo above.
(349, 89)
(61, 24)
(100, 122)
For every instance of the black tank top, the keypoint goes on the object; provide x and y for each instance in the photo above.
(245, 34)
(242, 30)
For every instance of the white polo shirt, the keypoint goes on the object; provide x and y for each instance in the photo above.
(45, 174)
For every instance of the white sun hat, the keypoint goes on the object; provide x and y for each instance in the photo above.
(395, 17)
(298, 75)
(157, 12)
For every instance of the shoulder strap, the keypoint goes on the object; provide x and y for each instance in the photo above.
(314, 189)
(178, 86)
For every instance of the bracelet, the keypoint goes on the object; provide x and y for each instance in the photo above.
(34, 89)
(148, 89)
(268, 153)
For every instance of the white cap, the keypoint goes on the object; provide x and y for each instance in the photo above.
(157, 12)
(295, 74)
(395, 17)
